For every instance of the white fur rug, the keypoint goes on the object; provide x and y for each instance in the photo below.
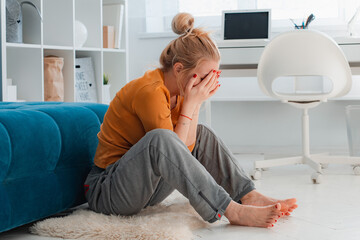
(173, 219)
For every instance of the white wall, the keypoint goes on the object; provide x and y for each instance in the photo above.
(270, 127)
(274, 126)
(144, 52)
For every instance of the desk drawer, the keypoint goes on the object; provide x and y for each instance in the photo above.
(234, 56)
(352, 52)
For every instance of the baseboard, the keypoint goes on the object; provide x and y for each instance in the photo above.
(286, 150)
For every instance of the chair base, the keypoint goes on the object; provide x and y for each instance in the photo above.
(316, 161)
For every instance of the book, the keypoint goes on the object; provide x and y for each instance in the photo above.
(108, 37)
(113, 15)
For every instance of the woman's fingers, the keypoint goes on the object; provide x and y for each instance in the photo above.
(207, 79)
(190, 83)
(214, 91)
(212, 76)
(214, 82)
(205, 89)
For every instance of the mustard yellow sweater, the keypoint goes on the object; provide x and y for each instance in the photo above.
(139, 107)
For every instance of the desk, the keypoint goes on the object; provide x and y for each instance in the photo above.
(239, 58)
(243, 56)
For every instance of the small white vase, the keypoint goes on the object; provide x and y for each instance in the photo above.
(106, 94)
(81, 34)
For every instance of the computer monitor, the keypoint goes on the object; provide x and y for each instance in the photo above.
(246, 24)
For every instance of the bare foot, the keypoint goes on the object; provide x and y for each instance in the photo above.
(257, 199)
(253, 216)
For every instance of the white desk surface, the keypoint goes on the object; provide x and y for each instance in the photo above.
(245, 54)
(263, 42)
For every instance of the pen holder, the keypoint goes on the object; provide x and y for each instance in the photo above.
(297, 27)
(304, 25)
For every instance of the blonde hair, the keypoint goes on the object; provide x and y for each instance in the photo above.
(193, 46)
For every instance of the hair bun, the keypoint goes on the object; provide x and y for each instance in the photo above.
(182, 23)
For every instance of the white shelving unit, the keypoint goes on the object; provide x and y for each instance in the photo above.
(55, 35)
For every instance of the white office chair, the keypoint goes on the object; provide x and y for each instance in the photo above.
(304, 53)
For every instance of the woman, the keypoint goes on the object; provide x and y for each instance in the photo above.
(150, 142)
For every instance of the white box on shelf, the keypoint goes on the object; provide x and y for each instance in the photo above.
(11, 93)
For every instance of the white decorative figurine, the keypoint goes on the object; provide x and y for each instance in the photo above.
(81, 34)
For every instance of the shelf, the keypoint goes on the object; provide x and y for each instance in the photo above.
(87, 12)
(88, 49)
(117, 80)
(110, 2)
(56, 35)
(114, 50)
(19, 66)
(58, 47)
(58, 22)
(22, 45)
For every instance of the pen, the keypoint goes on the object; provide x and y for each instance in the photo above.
(309, 20)
(296, 26)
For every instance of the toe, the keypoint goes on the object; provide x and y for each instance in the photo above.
(291, 201)
(270, 225)
(278, 206)
(272, 221)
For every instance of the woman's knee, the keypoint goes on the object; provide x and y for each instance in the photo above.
(159, 133)
(204, 129)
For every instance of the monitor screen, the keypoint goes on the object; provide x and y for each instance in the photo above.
(246, 24)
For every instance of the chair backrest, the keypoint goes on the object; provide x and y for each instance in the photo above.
(304, 53)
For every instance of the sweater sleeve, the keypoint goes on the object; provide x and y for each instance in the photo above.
(191, 147)
(153, 109)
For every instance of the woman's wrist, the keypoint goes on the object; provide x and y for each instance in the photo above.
(197, 110)
(188, 109)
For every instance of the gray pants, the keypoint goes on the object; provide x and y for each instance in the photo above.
(159, 163)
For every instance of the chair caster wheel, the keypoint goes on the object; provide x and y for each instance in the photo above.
(316, 178)
(256, 174)
(324, 165)
(357, 170)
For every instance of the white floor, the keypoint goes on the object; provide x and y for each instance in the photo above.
(330, 210)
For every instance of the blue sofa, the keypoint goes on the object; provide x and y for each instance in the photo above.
(46, 152)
